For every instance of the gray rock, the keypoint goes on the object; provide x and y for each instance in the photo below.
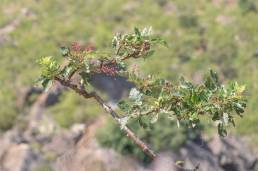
(194, 154)
(114, 87)
(233, 154)
(164, 162)
(19, 157)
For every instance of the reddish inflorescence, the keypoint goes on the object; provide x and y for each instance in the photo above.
(109, 69)
(76, 46)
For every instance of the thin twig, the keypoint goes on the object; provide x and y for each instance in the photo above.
(118, 50)
(115, 116)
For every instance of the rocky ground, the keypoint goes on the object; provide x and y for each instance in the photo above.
(77, 149)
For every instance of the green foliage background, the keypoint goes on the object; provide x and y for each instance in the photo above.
(201, 35)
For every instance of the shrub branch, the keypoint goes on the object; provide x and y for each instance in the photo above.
(114, 115)
(184, 102)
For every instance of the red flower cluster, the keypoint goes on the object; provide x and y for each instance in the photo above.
(76, 46)
(109, 69)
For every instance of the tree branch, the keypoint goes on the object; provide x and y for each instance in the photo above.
(115, 116)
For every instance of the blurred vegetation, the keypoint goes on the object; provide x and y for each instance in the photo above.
(163, 135)
(8, 111)
(222, 35)
(43, 167)
(72, 109)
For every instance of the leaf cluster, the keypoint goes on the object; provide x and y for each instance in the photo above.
(185, 102)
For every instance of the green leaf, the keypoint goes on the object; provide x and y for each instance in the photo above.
(146, 31)
(123, 105)
(122, 65)
(239, 108)
(144, 121)
(194, 97)
(87, 66)
(137, 32)
(49, 67)
(214, 76)
(221, 130)
(241, 89)
(64, 51)
(67, 71)
(160, 41)
(210, 84)
(216, 116)
(45, 61)
(185, 84)
(85, 77)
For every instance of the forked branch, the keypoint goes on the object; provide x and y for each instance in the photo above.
(108, 109)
